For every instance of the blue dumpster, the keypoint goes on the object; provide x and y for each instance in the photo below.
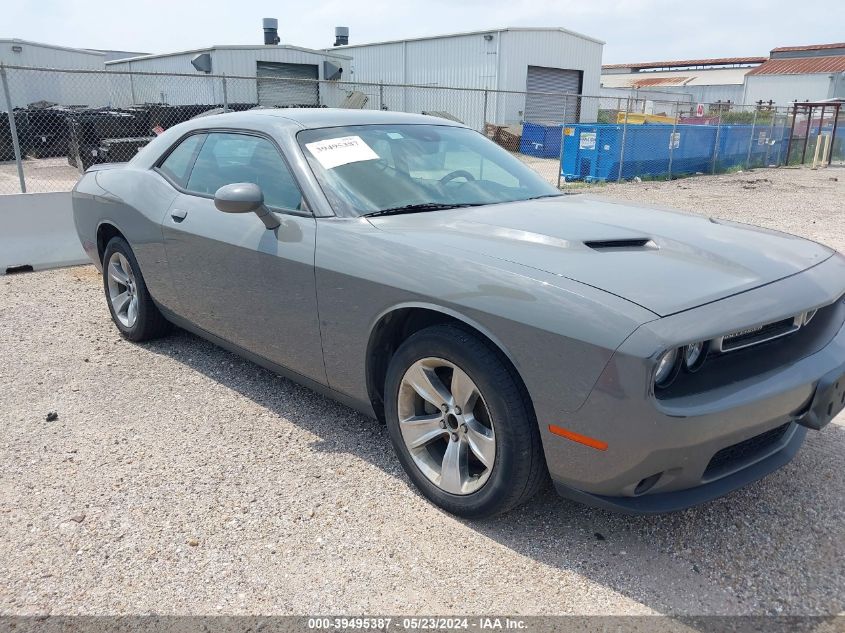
(592, 151)
(542, 141)
(750, 145)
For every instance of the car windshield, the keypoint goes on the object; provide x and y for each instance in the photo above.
(382, 169)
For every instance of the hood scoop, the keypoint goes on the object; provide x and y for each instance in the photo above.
(626, 244)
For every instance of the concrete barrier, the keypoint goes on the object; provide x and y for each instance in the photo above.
(37, 232)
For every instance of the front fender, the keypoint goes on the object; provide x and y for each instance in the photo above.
(558, 334)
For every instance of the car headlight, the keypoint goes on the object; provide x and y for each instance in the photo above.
(694, 355)
(667, 365)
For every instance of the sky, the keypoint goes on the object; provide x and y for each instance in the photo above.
(634, 30)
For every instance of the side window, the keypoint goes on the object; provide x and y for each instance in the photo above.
(228, 158)
(178, 162)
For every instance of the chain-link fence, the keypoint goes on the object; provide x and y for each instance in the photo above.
(58, 123)
(817, 135)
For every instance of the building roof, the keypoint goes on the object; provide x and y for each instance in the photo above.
(215, 47)
(660, 81)
(689, 77)
(484, 32)
(81, 51)
(683, 63)
(801, 66)
(809, 47)
(113, 54)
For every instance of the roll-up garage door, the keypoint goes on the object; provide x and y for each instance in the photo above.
(551, 108)
(273, 90)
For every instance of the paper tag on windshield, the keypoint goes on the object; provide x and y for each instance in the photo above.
(341, 151)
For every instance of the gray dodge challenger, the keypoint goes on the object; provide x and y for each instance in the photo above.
(407, 266)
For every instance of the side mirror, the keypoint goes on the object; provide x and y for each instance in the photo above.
(244, 197)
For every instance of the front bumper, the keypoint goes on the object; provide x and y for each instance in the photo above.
(661, 503)
(667, 454)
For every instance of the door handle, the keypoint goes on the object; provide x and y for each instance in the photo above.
(178, 214)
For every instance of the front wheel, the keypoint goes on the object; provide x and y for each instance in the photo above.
(131, 306)
(461, 423)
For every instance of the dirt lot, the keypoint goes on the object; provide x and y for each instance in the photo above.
(179, 478)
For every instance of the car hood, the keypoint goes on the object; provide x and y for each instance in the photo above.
(664, 261)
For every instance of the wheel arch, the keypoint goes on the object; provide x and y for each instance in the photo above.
(106, 230)
(393, 326)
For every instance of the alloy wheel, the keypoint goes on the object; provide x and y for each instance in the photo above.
(123, 291)
(446, 426)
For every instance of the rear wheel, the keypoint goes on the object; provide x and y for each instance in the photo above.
(132, 309)
(461, 423)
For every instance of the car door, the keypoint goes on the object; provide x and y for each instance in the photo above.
(234, 278)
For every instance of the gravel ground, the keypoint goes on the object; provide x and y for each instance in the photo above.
(42, 174)
(792, 199)
(181, 479)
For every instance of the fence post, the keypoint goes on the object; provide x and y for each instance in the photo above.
(751, 140)
(381, 96)
(484, 113)
(716, 142)
(785, 159)
(791, 133)
(624, 134)
(833, 132)
(672, 140)
(771, 138)
(225, 94)
(13, 128)
(810, 110)
(132, 85)
(562, 134)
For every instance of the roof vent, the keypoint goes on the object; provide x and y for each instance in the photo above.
(271, 31)
(603, 245)
(341, 35)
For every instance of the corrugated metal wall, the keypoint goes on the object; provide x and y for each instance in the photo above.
(66, 89)
(551, 49)
(241, 60)
(498, 61)
(33, 54)
(172, 90)
(384, 63)
(784, 89)
(235, 61)
(432, 62)
(696, 94)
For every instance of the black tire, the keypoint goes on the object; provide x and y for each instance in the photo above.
(519, 469)
(149, 323)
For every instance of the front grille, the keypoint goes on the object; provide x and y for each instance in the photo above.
(744, 451)
(738, 340)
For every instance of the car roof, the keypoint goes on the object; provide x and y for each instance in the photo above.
(321, 117)
(288, 121)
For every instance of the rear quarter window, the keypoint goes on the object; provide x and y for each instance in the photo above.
(177, 165)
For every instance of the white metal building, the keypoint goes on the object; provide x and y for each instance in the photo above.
(696, 80)
(15, 52)
(799, 73)
(58, 88)
(245, 68)
(537, 60)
